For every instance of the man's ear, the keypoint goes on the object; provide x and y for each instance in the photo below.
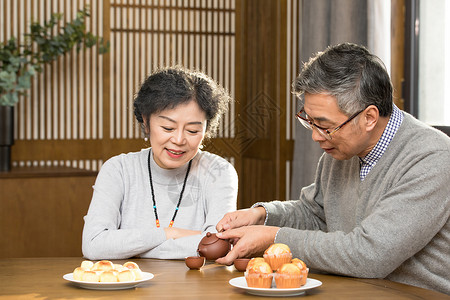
(370, 117)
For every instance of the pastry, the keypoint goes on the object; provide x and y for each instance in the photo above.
(87, 264)
(288, 276)
(126, 275)
(106, 271)
(90, 276)
(108, 276)
(253, 261)
(103, 265)
(259, 275)
(78, 273)
(135, 268)
(119, 267)
(277, 255)
(303, 267)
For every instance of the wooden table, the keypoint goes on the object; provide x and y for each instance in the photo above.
(41, 278)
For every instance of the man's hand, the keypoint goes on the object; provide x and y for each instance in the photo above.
(242, 217)
(175, 232)
(248, 241)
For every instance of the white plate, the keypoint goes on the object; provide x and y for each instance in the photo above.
(241, 283)
(108, 285)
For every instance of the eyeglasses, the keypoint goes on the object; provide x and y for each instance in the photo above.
(323, 131)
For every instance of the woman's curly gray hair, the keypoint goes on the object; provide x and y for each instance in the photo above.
(169, 87)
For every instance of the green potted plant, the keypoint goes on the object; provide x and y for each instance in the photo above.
(20, 62)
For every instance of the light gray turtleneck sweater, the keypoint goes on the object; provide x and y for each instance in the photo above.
(393, 225)
(120, 222)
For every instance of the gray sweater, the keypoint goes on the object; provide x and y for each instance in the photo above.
(393, 225)
(120, 222)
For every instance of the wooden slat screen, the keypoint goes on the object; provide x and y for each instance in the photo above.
(82, 103)
(65, 101)
(149, 34)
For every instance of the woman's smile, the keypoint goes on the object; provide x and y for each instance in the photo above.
(175, 153)
(176, 134)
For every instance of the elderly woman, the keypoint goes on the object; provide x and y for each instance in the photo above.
(159, 202)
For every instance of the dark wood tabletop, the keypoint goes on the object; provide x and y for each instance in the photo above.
(42, 278)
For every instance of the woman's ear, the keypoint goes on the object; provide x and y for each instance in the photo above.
(146, 125)
(370, 116)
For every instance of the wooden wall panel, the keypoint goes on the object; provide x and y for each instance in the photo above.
(41, 212)
(267, 35)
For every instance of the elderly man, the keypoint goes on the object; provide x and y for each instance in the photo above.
(379, 206)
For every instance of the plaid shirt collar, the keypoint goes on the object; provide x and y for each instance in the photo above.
(370, 160)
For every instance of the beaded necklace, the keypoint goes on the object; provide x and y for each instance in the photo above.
(153, 192)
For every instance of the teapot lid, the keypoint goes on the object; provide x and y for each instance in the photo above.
(209, 238)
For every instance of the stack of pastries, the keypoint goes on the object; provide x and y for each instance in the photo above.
(106, 271)
(277, 263)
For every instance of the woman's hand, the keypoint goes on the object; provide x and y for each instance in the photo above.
(175, 232)
(242, 217)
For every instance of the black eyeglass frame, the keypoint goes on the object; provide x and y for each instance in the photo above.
(323, 131)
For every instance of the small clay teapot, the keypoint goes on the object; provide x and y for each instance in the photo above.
(212, 247)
